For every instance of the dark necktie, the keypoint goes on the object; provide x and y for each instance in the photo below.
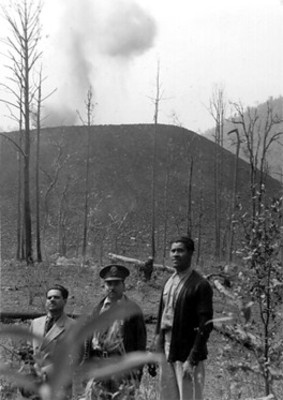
(48, 324)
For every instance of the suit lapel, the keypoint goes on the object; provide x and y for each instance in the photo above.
(41, 326)
(38, 329)
(55, 331)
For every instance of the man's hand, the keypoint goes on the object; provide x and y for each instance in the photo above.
(26, 354)
(193, 359)
(157, 345)
(188, 370)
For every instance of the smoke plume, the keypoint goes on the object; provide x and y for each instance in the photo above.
(89, 33)
(127, 31)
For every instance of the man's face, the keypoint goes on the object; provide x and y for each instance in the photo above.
(114, 289)
(55, 302)
(180, 256)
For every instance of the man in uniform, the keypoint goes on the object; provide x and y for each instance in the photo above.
(122, 337)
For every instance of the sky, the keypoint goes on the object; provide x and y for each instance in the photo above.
(115, 46)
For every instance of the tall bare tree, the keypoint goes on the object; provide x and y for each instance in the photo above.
(189, 209)
(24, 22)
(89, 104)
(18, 145)
(20, 225)
(217, 110)
(37, 121)
(199, 233)
(231, 231)
(53, 178)
(190, 152)
(37, 189)
(62, 219)
(165, 194)
(157, 100)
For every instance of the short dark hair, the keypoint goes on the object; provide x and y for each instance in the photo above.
(62, 289)
(187, 241)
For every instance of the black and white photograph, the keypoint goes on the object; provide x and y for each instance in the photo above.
(141, 200)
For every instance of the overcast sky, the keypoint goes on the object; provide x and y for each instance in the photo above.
(114, 46)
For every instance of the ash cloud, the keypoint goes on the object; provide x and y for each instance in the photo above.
(89, 32)
(80, 66)
(62, 115)
(128, 31)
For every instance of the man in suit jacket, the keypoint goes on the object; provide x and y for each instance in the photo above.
(50, 327)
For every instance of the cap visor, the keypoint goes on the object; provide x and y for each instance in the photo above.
(113, 279)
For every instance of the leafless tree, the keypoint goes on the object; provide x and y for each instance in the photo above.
(20, 221)
(62, 245)
(53, 179)
(157, 99)
(23, 45)
(37, 190)
(165, 217)
(117, 223)
(259, 132)
(189, 209)
(217, 110)
(231, 232)
(200, 216)
(39, 100)
(190, 153)
(89, 104)
(18, 145)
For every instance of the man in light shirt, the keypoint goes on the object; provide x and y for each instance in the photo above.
(184, 324)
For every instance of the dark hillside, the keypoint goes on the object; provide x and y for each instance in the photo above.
(120, 193)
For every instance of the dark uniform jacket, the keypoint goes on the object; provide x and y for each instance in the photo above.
(192, 321)
(134, 335)
(134, 330)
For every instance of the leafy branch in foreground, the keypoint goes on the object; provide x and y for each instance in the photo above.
(67, 361)
(258, 289)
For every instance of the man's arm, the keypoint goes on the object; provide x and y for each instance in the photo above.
(141, 332)
(204, 310)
